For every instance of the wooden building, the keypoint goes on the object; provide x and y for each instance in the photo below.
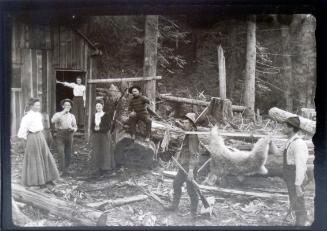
(43, 52)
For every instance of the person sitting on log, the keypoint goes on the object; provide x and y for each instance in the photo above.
(138, 111)
(295, 156)
(189, 159)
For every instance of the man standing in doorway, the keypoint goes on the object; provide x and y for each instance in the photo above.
(65, 125)
(78, 100)
(295, 156)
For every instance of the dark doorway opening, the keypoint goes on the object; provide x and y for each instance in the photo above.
(63, 92)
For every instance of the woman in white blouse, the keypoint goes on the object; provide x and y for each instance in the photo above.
(101, 141)
(39, 167)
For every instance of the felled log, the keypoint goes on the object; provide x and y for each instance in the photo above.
(19, 218)
(281, 115)
(138, 153)
(117, 202)
(74, 212)
(235, 108)
(227, 191)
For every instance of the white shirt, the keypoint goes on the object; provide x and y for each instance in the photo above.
(31, 122)
(297, 154)
(78, 90)
(98, 116)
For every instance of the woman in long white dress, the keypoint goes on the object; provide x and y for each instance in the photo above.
(39, 166)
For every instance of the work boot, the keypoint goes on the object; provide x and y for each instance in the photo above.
(174, 204)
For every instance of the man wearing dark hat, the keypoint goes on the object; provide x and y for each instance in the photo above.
(189, 159)
(295, 156)
(138, 111)
(65, 124)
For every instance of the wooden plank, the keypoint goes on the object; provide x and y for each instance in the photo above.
(56, 46)
(62, 58)
(26, 76)
(51, 79)
(44, 87)
(74, 51)
(86, 52)
(119, 80)
(16, 76)
(26, 36)
(81, 54)
(39, 75)
(34, 74)
(13, 114)
(48, 44)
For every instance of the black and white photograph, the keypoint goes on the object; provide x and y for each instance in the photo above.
(162, 120)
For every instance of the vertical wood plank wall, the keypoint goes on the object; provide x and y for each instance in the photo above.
(38, 51)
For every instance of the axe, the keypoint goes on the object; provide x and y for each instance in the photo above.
(197, 187)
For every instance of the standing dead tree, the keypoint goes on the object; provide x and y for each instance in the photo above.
(249, 91)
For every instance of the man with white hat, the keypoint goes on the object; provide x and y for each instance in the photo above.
(295, 156)
(189, 159)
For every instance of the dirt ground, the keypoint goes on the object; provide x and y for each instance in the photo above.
(230, 210)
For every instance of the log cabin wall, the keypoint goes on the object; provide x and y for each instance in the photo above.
(38, 51)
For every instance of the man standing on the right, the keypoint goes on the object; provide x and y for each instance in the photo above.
(295, 156)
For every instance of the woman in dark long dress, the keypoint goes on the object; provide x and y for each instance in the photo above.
(101, 141)
(39, 167)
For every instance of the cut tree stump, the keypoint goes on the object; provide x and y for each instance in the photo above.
(76, 213)
(138, 153)
(281, 115)
(220, 110)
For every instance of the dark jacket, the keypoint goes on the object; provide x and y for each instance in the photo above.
(104, 124)
(190, 151)
(138, 104)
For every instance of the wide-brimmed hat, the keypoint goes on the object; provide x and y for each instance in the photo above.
(191, 116)
(132, 87)
(293, 121)
(66, 100)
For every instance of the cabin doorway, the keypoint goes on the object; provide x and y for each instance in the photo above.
(63, 92)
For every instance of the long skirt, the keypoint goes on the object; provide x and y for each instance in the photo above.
(39, 166)
(103, 155)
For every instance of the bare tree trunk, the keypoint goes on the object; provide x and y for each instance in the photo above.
(287, 67)
(233, 62)
(150, 56)
(222, 72)
(249, 91)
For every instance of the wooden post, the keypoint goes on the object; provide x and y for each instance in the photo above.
(222, 72)
(150, 56)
